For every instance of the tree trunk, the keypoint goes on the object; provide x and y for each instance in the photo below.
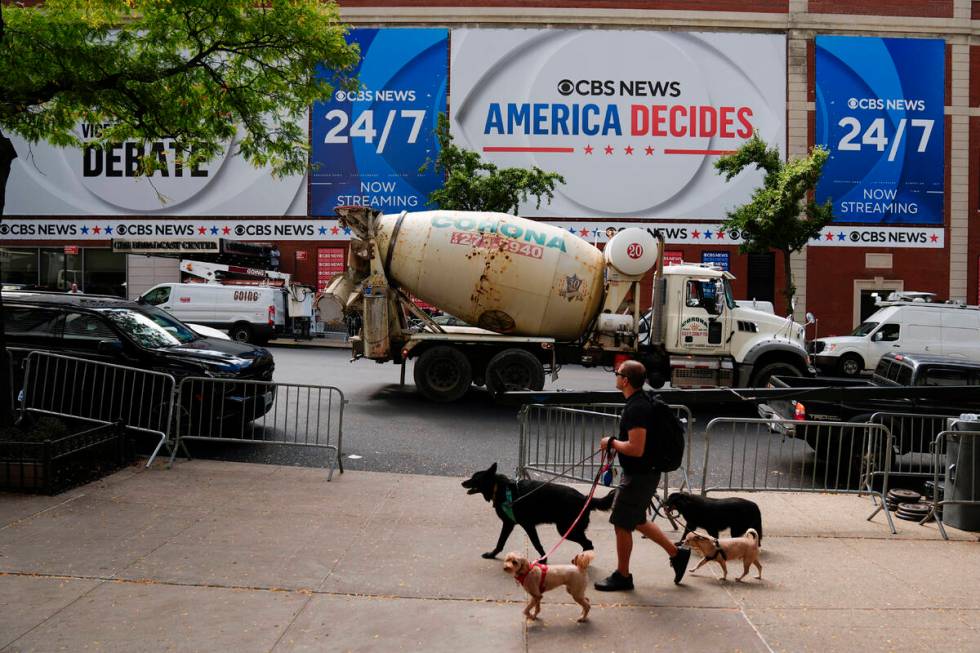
(7, 156)
(789, 290)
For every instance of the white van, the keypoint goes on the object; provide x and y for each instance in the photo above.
(247, 313)
(908, 327)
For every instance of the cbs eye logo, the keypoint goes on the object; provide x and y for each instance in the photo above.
(240, 230)
(855, 236)
(566, 87)
(4, 229)
(121, 230)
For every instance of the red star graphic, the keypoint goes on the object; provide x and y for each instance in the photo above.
(629, 150)
(721, 235)
(588, 149)
(934, 238)
(649, 150)
(829, 236)
(96, 230)
(226, 231)
(609, 149)
(334, 230)
(202, 230)
(583, 232)
(695, 234)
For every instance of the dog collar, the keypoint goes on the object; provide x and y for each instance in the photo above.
(508, 506)
(718, 551)
(544, 572)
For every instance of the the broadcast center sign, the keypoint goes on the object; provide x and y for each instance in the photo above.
(879, 110)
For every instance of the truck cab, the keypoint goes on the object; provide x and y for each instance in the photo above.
(714, 341)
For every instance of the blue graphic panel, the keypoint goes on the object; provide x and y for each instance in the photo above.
(368, 145)
(879, 111)
(719, 259)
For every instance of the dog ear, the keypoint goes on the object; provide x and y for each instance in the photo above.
(492, 469)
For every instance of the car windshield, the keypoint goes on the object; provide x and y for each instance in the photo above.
(864, 329)
(150, 327)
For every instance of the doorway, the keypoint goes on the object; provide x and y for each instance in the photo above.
(864, 300)
(761, 277)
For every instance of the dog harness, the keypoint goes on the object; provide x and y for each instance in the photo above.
(718, 551)
(544, 572)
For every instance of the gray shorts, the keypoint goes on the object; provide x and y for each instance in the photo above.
(633, 497)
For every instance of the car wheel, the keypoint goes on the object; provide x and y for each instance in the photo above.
(443, 374)
(241, 332)
(850, 365)
(514, 369)
(760, 378)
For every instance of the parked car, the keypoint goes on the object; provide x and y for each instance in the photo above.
(912, 327)
(895, 370)
(113, 330)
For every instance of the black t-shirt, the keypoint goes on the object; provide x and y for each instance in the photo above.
(637, 413)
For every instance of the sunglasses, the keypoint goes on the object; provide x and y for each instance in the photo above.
(619, 374)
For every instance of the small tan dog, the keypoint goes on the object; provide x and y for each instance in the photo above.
(745, 548)
(537, 579)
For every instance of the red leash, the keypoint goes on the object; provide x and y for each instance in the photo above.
(604, 464)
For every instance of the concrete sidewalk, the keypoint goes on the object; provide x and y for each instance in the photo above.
(236, 557)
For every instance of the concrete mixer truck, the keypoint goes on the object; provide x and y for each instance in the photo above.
(539, 297)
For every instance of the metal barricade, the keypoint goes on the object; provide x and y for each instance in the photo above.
(749, 455)
(99, 392)
(955, 474)
(912, 439)
(563, 441)
(262, 412)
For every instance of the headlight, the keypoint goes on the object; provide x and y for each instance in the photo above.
(219, 371)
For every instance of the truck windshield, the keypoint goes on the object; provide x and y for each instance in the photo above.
(864, 329)
(150, 328)
(729, 295)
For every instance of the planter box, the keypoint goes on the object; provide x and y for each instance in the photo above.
(54, 466)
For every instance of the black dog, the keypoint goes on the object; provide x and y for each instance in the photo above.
(530, 503)
(715, 515)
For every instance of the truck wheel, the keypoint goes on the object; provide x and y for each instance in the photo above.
(514, 369)
(760, 378)
(850, 365)
(443, 374)
(241, 332)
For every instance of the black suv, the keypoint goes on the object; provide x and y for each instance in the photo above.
(113, 330)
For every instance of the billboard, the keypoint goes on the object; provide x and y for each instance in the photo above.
(633, 120)
(48, 180)
(879, 110)
(369, 144)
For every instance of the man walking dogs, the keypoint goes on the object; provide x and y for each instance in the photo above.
(635, 445)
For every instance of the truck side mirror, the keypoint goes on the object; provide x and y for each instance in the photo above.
(810, 319)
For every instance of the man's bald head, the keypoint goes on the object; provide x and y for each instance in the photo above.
(634, 373)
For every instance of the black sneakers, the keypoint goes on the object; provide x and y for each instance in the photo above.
(616, 582)
(679, 563)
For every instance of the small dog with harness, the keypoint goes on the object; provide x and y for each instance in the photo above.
(745, 548)
(537, 578)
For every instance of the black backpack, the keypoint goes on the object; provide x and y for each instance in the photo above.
(668, 452)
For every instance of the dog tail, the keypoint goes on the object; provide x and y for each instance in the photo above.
(753, 534)
(605, 503)
(583, 559)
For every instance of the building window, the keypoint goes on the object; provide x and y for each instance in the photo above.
(105, 272)
(59, 270)
(19, 266)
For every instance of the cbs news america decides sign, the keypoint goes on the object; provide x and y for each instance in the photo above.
(634, 120)
(47, 180)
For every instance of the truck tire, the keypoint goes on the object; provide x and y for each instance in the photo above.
(443, 374)
(760, 377)
(241, 332)
(514, 369)
(850, 365)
